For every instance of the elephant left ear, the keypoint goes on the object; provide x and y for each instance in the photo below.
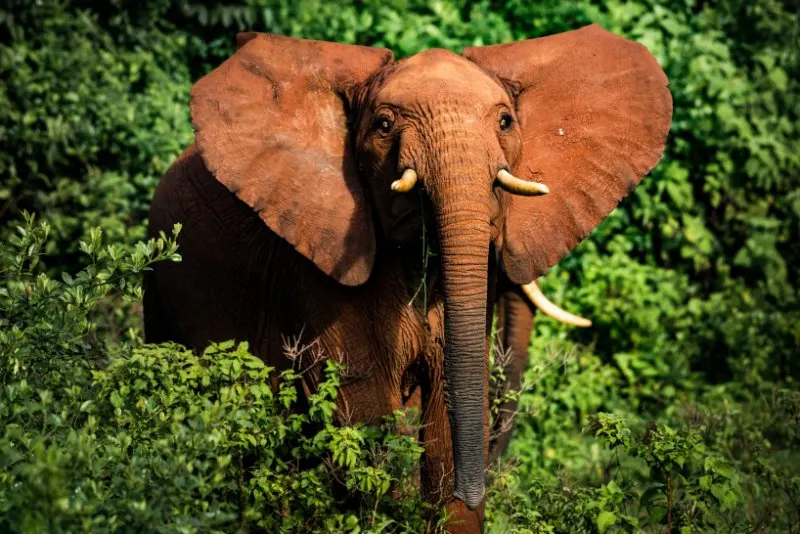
(594, 110)
(273, 126)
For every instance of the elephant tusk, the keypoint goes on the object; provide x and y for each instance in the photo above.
(534, 293)
(406, 182)
(512, 184)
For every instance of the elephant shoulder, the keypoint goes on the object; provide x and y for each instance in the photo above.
(187, 169)
(186, 191)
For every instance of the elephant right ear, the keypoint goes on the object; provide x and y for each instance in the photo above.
(271, 123)
(594, 110)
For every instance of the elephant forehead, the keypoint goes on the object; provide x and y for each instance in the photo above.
(438, 74)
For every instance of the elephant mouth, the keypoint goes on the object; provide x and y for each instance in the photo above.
(406, 225)
(409, 217)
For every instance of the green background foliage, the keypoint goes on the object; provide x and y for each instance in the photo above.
(678, 410)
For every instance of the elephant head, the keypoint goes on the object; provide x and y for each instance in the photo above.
(525, 147)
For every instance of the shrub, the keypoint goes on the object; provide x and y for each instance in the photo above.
(709, 463)
(108, 436)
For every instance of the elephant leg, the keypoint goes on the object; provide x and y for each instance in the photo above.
(515, 318)
(437, 461)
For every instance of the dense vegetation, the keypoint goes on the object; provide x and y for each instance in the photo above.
(678, 411)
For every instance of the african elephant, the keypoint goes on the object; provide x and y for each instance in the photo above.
(370, 205)
(516, 306)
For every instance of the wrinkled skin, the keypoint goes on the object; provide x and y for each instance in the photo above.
(291, 229)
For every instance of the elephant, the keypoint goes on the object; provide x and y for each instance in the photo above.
(515, 309)
(335, 195)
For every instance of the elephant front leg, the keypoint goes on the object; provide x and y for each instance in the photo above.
(437, 461)
(515, 318)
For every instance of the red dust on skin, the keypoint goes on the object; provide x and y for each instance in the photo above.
(290, 225)
(440, 74)
(435, 102)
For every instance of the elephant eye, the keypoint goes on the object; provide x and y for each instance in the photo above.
(505, 121)
(383, 124)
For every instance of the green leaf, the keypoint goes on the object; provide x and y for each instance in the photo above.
(605, 520)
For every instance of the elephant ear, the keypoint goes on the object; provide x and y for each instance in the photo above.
(271, 123)
(594, 110)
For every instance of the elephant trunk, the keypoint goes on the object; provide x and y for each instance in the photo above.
(464, 233)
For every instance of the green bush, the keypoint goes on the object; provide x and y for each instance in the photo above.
(100, 437)
(709, 463)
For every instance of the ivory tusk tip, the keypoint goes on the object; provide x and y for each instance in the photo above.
(406, 182)
(512, 184)
(535, 295)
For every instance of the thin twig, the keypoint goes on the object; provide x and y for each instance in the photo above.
(669, 505)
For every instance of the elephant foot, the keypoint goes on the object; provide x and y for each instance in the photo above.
(462, 520)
